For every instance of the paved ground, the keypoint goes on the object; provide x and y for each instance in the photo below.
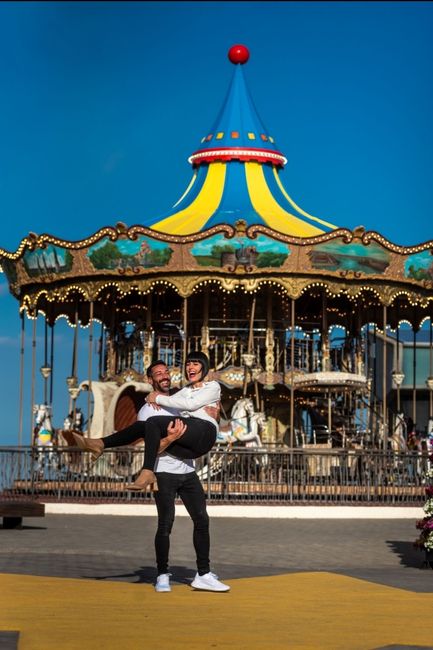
(121, 548)
(295, 584)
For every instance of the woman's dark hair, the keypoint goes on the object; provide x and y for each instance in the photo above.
(202, 358)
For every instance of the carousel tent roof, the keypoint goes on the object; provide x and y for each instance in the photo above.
(236, 174)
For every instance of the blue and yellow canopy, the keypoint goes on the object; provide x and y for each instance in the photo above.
(236, 176)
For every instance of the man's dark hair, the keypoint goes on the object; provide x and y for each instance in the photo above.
(152, 365)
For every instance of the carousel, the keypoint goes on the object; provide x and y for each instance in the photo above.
(301, 319)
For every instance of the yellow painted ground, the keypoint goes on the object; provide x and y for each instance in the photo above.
(295, 611)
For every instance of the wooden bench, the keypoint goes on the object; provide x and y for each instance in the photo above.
(14, 511)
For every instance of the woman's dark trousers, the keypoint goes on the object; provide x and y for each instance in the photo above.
(198, 439)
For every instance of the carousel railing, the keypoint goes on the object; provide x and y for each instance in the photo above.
(238, 475)
(228, 350)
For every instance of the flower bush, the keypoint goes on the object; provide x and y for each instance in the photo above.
(425, 525)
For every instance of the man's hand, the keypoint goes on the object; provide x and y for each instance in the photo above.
(214, 411)
(175, 430)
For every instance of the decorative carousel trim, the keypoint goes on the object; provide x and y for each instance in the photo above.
(33, 241)
(237, 153)
(187, 284)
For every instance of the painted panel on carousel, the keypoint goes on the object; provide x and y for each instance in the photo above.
(261, 252)
(124, 254)
(419, 266)
(10, 270)
(49, 260)
(338, 256)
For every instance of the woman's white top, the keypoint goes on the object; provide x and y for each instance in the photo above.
(191, 401)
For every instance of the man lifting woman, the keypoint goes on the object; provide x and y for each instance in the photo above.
(196, 428)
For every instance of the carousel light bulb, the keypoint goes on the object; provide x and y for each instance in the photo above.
(45, 371)
(397, 377)
(71, 382)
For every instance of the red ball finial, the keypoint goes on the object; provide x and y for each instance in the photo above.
(239, 54)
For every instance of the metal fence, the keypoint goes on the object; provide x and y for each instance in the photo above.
(268, 475)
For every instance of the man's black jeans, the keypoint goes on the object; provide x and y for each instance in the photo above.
(191, 492)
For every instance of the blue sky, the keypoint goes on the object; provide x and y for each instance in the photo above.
(102, 103)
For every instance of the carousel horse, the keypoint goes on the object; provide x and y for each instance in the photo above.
(43, 436)
(244, 425)
(397, 441)
(74, 421)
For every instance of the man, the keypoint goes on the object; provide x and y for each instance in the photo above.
(178, 477)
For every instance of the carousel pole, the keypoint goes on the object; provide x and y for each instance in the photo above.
(101, 350)
(111, 368)
(398, 362)
(90, 367)
(147, 350)
(414, 377)
(384, 363)
(73, 377)
(185, 333)
(270, 344)
(292, 365)
(374, 411)
(430, 377)
(248, 358)
(205, 327)
(21, 398)
(326, 366)
(45, 376)
(52, 364)
(32, 389)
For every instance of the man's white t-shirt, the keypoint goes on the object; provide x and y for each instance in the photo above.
(165, 462)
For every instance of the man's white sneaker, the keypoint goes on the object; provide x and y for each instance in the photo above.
(163, 582)
(208, 582)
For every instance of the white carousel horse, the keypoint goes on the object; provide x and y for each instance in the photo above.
(244, 425)
(397, 441)
(43, 435)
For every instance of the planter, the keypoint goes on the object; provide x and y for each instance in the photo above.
(429, 558)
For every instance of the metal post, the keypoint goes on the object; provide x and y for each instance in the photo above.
(384, 384)
(185, 333)
(205, 327)
(292, 383)
(32, 391)
(45, 359)
(431, 368)
(250, 346)
(398, 364)
(414, 376)
(52, 364)
(21, 399)
(90, 368)
(72, 402)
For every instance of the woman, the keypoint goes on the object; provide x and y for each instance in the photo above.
(199, 435)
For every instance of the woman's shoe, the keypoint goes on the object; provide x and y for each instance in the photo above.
(94, 446)
(143, 482)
